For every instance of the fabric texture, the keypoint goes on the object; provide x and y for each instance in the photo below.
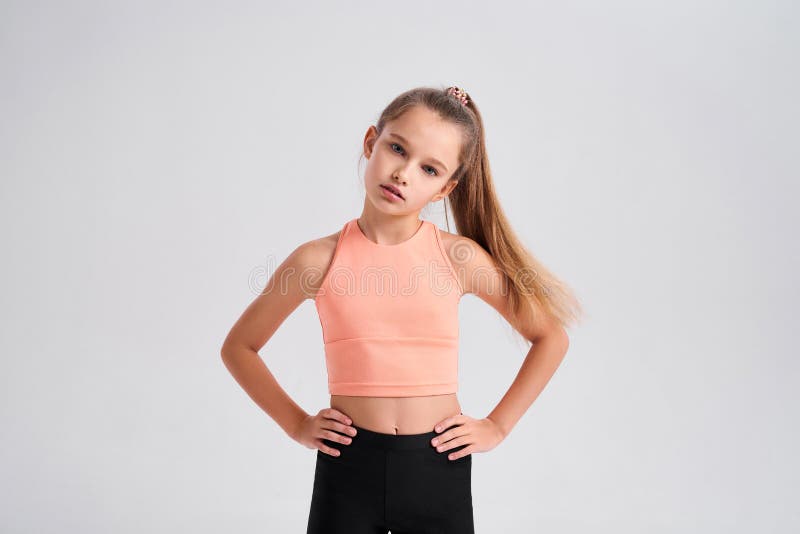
(384, 482)
(389, 316)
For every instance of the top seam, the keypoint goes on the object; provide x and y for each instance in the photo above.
(443, 252)
(395, 338)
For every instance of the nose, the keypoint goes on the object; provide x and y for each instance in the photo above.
(399, 177)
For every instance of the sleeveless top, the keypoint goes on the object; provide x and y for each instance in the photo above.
(389, 316)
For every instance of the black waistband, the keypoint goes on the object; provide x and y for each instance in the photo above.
(393, 441)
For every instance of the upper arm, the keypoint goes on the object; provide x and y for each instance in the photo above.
(481, 276)
(293, 281)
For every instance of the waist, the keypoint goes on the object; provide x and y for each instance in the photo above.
(396, 442)
(397, 415)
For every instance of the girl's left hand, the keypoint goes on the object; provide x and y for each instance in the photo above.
(480, 435)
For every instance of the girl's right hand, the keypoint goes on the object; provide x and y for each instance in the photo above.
(314, 428)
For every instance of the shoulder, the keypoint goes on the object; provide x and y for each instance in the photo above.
(307, 264)
(315, 252)
(293, 281)
(474, 266)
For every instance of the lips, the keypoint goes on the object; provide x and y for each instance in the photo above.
(393, 189)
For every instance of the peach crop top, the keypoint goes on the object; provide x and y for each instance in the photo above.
(389, 316)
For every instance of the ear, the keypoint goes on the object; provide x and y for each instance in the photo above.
(446, 188)
(369, 140)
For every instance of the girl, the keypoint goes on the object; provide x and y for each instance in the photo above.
(394, 450)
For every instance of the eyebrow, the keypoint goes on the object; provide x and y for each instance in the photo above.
(403, 139)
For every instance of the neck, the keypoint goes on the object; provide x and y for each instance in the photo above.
(388, 229)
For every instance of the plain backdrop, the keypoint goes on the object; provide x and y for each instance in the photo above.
(159, 159)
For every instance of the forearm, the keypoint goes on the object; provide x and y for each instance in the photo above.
(255, 378)
(540, 364)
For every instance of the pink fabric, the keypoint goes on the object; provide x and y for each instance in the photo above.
(389, 316)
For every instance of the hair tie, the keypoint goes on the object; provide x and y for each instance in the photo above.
(460, 94)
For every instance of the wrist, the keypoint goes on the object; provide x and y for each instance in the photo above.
(500, 428)
(293, 428)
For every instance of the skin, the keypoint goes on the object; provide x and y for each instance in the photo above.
(410, 166)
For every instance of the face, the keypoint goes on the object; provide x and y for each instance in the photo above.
(417, 153)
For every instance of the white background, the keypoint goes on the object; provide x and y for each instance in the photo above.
(158, 158)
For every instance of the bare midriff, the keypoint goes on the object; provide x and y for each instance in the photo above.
(397, 415)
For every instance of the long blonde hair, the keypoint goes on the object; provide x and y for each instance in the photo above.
(532, 288)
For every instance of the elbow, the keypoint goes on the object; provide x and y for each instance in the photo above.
(231, 345)
(228, 350)
(555, 337)
(562, 339)
(232, 351)
(562, 336)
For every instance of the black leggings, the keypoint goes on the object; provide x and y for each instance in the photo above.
(391, 481)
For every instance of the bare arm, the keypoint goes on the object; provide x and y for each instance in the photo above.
(286, 289)
(549, 340)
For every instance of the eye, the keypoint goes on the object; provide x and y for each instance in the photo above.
(392, 145)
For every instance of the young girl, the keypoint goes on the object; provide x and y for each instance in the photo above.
(394, 450)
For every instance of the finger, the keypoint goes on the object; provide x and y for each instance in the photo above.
(450, 421)
(337, 424)
(451, 444)
(451, 438)
(328, 450)
(460, 454)
(334, 436)
(442, 438)
(452, 432)
(336, 415)
(339, 427)
(345, 429)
